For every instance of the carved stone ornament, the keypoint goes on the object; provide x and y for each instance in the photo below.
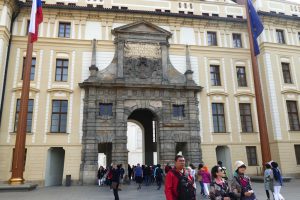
(142, 60)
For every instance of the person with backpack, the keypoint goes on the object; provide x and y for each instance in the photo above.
(100, 175)
(178, 185)
(241, 184)
(199, 177)
(138, 176)
(268, 180)
(158, 175)
(219, 188)
(277, 181)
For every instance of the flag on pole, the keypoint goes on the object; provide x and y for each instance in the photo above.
(256, 26)
(35, 19)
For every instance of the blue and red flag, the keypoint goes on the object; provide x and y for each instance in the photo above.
(256, 26)
(35, 19)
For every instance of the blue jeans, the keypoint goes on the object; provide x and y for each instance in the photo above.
(147, 180)
(202, 187)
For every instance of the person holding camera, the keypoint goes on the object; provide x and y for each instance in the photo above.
(219, 188)
(241, 184)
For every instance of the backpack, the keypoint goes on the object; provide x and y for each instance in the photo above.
(158, 173)
(185, 189)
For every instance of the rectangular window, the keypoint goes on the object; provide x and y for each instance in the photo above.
(237, 40)
(106, 109)
(246, 117)
(241, 76)
(59, 116)
(299, 36)
(251, 156)
(64, 29)
(32, 70)
(286, 73)
(293, 114)
(215, 77)
(280, 36)
(178, 110)
(61, 72)
(212, 39)
(297, 152)
(218, 117)
(29, 115)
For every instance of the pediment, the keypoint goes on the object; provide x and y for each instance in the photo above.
(142, 27)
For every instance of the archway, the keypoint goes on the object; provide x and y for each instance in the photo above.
(54, 166)
(223, 154)
(147, 121)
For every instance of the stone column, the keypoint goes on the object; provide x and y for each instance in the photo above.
(120, 53)
(89, 159)
(119, 146)
(194, 149)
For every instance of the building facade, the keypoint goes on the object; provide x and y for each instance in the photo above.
(181, 70)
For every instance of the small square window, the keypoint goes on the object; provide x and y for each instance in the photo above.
(64, 29)
(212, 38)
(280, 36)
(178, 111)
(106, 110)
(251, 156)
(237, 40)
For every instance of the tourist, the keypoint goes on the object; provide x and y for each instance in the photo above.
(109, 176)
(191, 176)
(277, 181)
(167, 168)
(220, 163)
(219, 188)
(206, 179)
(241, 184)
(138, 175)
(268, 180)
(199, 178)
(178, 185)
(129, 172)
(100, 175)
(115, 180)
(193, 172)
(147, 175)
(158, 175)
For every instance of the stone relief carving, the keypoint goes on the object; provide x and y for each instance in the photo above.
(142, 60)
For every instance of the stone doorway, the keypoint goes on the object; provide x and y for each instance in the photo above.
(140, 85)
(147, 120)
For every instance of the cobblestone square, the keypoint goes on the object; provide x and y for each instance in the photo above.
(129, 192)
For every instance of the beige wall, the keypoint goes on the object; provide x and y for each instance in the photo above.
(78, 50)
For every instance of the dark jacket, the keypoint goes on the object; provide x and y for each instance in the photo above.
(115, 175)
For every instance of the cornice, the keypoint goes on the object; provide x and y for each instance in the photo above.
(290, 91)
(244, 94)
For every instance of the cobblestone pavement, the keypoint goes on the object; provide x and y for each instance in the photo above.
(290, 191)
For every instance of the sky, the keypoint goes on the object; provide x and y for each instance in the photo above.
(296, 1)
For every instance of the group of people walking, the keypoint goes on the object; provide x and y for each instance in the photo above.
(181, 181)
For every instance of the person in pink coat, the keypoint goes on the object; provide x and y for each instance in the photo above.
(206, 179)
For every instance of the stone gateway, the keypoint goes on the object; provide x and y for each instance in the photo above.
(141, 85)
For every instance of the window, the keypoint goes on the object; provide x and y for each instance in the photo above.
(179, 5)
(215, 78)
(191, 6)
(251, 156)
(28, 24)
(218, 117)
(61, 73)
(286, 72)
(297, 152)
(59, 116)
(280, 36)
(241, 76)
(106, 109)
(32, 70)
(205, 14)
(299, 36)
(215, 15)
(230, 16)
(212, 38)
(29, 115)
(293, 115)
(237, 40)
(246, 117)
(64, 29)
(178, 111)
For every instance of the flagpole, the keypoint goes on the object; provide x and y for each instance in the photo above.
(19, 151)
(263, 131)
